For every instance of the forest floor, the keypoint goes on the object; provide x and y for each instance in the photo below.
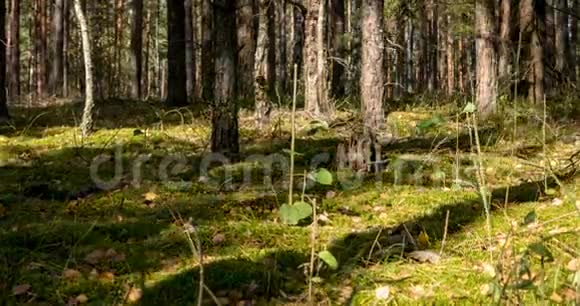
(65, 240)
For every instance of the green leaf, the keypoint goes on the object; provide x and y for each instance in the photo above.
(294, 213)
(434, 121)
(323, 176)
(287, 151)
(469, 108)
(329, 259)
(540, 249)
(530, 218)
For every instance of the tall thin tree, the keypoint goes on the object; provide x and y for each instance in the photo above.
(57, 49)
(486, 69)
(14, 51)
(4, 116)
(176, 73)
(87, 120)
(137, 49)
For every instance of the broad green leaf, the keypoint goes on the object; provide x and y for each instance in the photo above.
(287, 151)
(469, 108)
(323, 176)
(540, 249)
(329, 259)
(294, 213)
(303, 210)
(530, 217)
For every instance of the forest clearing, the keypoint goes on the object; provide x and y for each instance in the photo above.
(289, 152)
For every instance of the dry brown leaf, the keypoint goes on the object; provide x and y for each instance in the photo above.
(218, 239)
(71, 274)
(570, 294)
(485, 289)
(81, 298)
(134, 294)
(573, 265)
(21, 289)
(425, 256)
(150, 196)
(106, 277)
(95, 256)
(555, 297)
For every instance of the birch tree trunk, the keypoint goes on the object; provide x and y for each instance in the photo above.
(87, 121)
(261, 62)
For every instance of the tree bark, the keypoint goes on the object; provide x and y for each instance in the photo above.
(176, 73)
(14, 51)
(224, 137)
(40, 48)
(338, 48)
(561, 42)
(136, 49)
(575, 8)
(486, 69)
(450, 46)
(246, 47)
(315, 91)
(207, 52)
(4, 116)
(505, 52)
(189, 49)
(87, 121)
(57, 49)
(532, 24)
(372, 74)
(262, 77)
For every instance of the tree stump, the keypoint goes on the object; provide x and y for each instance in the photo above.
(361, 153)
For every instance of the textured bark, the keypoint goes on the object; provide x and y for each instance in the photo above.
(262, 81)
(372, 74)
(40, 48)
(224, 137)
(505, 52)
(189, 49)
(322, 92)
(281, 47)
(87, 121)
(246, 47)
(176, 73)
(298, 37)
(486, 69)
(115, 81)
(207, 51)
(450, 46)
(532, 24)
(561, 41)
(315, 93)
(136, 49)
(3, 97)
(14, 51)
(57, 49)
(433, 44)
(573, 62)
(338, 48)
(409, 55)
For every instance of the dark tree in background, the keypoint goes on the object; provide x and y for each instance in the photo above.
(14, 50)
(57, 49)
(137, 49)
(224, 136)
(176, 50)
(3, 97)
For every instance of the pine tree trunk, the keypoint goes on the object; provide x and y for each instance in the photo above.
(224, 137)
(115, 83)
(486, 70)
(262, 82)
(450, 58)
(207, 51)
(176, 73)
(87, 121)
(246, 47)
(338, 48)
(136, 49)
(573, 61)
(40, 47)
(189, 49)
(14, 51)
(532, 24)
(561, 40)
(314, 84)
(57, 49)
(505, 52)
(372, 74)
(281, 44)
(4, 116)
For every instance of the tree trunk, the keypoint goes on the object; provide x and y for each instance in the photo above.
(87, 121)
(532, 24)
(338, 48)
(4, 116)
(115, 83)
(246, 47)
(298, 38)
(433, 44)
(224, 137)
(505, 52)
(40, 47)
(573, 62)
(207, 51)
(281, 44)
(372, 74)
(136, 49)
(271, 67)
(189, 49)
(486, 70)
(176, 73)
(450, 58)
(57, 49)
(561, 40)
(315, 94)
(14, 51)
(262, 81)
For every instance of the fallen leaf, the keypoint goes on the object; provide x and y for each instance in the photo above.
(487, 269)
(218, 239)
(382, 293)
(417, 292)
(71, 274)
(150, 197)
(573, 265)
(557, 202)
(555, 297)
(21, 289)
(425, 256)
(81, 298)
(106, 277)
(485, 289)
(570, 294)
(95, 256)
(134, 294)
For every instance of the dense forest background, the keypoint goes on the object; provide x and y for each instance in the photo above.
(297, 152)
